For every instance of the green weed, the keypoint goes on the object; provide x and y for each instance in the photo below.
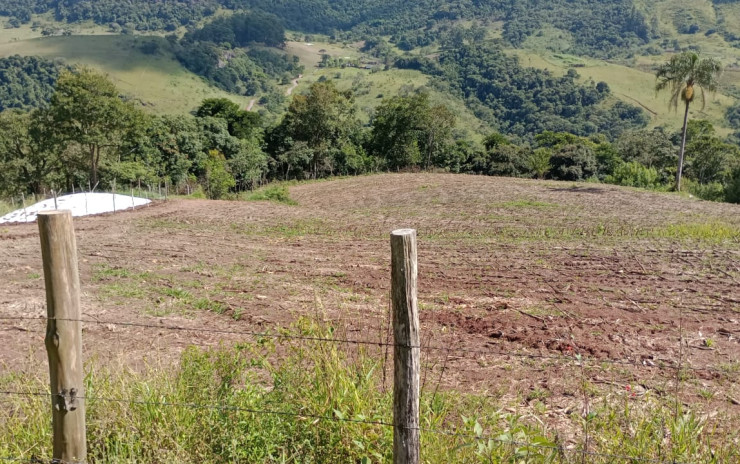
(715, 231)
(5, 208)
(277, 193)
(525, 204)
(205, 304)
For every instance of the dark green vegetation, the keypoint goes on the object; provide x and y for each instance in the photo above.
(216, 52)
(136, 15)
(26, 81)
(524, 101)
(89, 134)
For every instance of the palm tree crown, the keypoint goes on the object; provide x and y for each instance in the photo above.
(681, 74)
(685, 71)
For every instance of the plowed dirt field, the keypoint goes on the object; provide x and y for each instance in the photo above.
(516, 278)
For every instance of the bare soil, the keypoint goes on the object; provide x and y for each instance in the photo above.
(516, 279)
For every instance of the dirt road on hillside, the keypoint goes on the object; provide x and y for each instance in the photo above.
(293, 85)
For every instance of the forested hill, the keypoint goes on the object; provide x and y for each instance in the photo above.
(598, 26)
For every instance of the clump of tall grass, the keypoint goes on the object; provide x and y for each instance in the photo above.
(317, 402)
(6, 207)
(278, 193)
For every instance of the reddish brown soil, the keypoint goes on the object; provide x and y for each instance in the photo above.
(515, 278)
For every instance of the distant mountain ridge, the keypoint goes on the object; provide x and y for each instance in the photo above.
(598, 28)
(595, 24)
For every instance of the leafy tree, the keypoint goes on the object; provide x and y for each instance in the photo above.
(607, 159)
(508, 160)
(249, 165)
(242, 124)
(652, 148)
(324, 121)
(27, 156)
(173, 145)
(408, 130)
(710, 159)
(87, 110)
(573, 162)
(681, 75)
(732, 190)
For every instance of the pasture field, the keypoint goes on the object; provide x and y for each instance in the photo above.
(604, 318)
(158, 82)
(635, 85)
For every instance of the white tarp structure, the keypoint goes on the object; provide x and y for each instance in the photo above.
(81, 204)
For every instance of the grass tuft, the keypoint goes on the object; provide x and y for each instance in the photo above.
(277, 193)
(708, 231)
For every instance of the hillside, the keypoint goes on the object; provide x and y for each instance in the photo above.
(158, 82)
(516, 279)
(499, 89)
(657, 29)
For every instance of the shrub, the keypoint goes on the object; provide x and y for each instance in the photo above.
(634, 174)
(217, 180)
(713, 191)
(539, 162)
(278, 193)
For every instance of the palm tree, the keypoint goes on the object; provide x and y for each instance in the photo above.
(681, 74)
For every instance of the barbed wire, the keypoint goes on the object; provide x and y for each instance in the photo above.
(575, 357)
(299, 415)
(219, 407)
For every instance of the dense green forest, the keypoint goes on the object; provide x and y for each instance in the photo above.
(26, 81)
(524, 101)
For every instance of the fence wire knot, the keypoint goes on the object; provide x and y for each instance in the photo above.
(67, 400)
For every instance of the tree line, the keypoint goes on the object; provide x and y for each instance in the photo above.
(89, 134)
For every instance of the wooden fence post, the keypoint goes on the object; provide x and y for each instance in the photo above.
(64, 335)
(406, 351)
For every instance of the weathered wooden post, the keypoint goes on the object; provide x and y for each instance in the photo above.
(406, 351)
(64, 334)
